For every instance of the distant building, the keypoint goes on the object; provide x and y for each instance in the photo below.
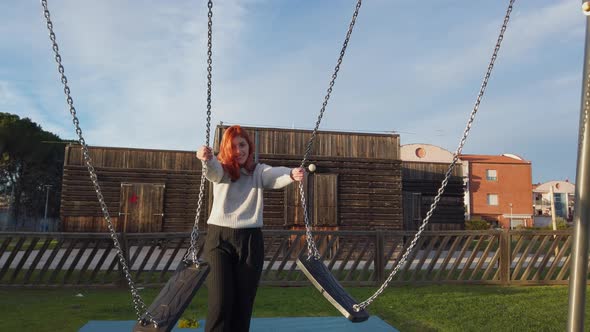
(563, 196)
(498, 189)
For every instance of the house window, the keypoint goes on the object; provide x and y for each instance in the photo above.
(491, 175)
(420, 153)
(493, 199)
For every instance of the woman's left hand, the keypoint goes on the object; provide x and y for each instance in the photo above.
(298, 174)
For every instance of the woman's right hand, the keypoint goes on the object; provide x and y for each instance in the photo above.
(204, 153)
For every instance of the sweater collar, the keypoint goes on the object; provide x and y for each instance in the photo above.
(244, 171)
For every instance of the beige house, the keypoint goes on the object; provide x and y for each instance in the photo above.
(563, 195)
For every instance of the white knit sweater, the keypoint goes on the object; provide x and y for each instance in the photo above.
(239, 204)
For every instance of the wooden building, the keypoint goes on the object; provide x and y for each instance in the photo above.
(144, 190)
(357, 184)
(424, 168)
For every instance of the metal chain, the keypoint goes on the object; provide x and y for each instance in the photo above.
(192, 250)
(402, 261)
(139, 305)
(311, 247)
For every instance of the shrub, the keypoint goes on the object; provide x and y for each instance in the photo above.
(561, 224)
(185, 323)
(476, 224)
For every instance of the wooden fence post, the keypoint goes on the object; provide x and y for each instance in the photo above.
(505, 254)
(380, 262)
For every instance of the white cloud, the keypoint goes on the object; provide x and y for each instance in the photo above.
(13, 101)
(528, 30)
(137, 73)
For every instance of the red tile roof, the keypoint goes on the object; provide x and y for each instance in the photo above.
(490, 159)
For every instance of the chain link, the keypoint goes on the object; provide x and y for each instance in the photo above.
(138, 303)
(312, 250)
(441, 190)
(192, 250)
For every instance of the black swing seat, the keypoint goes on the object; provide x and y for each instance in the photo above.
(317, 272)
(173, 299)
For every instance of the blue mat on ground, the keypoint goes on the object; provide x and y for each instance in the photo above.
(285, 324)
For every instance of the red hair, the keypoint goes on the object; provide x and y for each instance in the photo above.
(227, 156)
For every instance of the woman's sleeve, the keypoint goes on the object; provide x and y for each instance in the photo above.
(214, 172)
(276, 177)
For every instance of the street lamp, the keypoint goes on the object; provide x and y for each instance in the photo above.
(510, 204)
(45, 226)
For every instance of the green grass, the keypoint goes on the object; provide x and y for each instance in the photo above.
(408, 308)
(27, 243)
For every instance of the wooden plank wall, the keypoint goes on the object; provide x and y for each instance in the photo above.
(369, 192)
(180, 171)
(368, 167)
(325, 208)
(426, 178)
(128, 158)
(327, 144)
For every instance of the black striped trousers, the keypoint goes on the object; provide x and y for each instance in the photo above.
(236, 257)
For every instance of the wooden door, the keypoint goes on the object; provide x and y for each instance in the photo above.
(293, 210)
(325, 199)
(412, 210)
(322, 207)
(141, 207)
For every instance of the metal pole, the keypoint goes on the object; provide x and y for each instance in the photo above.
(553, 215)
(46, 200)
(579, 267)
(510, 215)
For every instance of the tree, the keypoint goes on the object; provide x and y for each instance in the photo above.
(29, 162)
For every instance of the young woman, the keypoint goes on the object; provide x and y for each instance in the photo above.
(234, 247)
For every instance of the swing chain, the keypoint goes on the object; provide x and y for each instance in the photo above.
(402, 261)
(192, 251)
(138, 303)
(311, 247)
(312, 250)
(332, 82)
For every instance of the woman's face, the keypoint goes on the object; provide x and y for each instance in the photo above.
(241, 149)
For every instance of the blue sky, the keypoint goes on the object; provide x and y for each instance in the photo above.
(137, 71)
